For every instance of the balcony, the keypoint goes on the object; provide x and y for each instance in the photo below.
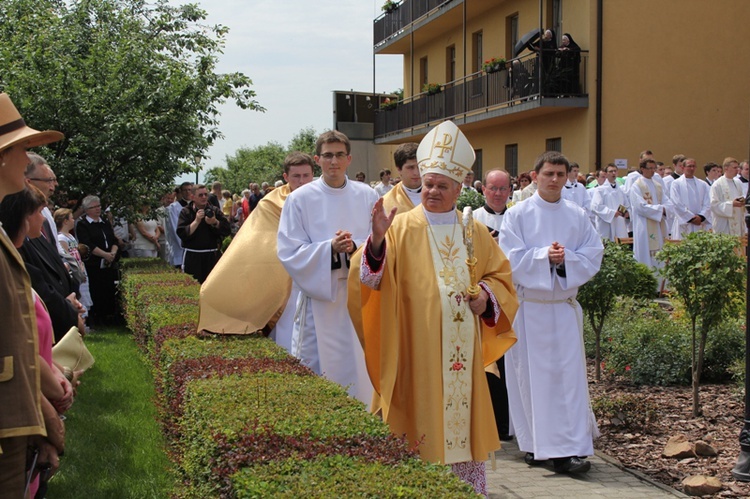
(500, 95)
(394, 22)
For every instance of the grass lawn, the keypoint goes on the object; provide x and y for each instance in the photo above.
(114, 447)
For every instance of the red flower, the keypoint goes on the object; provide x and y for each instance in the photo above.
(457, 366)
(627, 368)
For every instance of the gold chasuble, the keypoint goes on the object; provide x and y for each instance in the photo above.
(420, 338)
(249, 287)
(399, 198)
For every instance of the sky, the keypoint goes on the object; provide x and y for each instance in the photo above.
(297, 52)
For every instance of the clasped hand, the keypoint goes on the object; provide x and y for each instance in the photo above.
(556, 253)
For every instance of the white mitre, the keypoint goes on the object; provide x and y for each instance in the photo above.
(447, 151)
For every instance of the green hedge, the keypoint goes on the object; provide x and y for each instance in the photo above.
(244, 419)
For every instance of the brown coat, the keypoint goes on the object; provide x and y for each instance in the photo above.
(20, 393)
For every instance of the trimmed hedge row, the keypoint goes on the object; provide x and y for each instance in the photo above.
(244, 419)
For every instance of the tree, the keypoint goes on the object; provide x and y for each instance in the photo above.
(262, 163)
(131, 84)
(706, 273)
(257, 164)
(619, 275)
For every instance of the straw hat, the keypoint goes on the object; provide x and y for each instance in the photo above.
(13, 129)
(447, 151)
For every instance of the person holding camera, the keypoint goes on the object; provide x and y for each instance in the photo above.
(201, 228)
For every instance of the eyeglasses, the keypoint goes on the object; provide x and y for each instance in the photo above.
(50, 180)
(497, 189)
(94, 206)
(202, 194)
(328, 156)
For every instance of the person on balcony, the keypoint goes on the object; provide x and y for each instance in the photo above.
(547, 50)
(568, 64)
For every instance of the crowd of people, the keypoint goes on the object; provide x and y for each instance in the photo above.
(374, 287)
(437, 321)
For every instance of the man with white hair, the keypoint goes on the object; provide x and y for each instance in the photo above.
(420, 328)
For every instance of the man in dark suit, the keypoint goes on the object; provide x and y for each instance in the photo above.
(49, 275)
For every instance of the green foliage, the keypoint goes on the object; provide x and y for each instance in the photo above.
(339, 476)
(628, 411)
(725, 346)
(707, 275)
(469, 197)
(225, 406)
(262, 163)
(651, 346)
(619, 275)
(132, 85)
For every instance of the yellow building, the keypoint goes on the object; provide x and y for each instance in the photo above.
(666, 75)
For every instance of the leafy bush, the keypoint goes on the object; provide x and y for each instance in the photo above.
(339, 476)
(641, 342)
(227, 406)
(725, 346)
(628, 411)
(469, 197)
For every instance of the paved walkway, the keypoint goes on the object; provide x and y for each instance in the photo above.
(513, 478)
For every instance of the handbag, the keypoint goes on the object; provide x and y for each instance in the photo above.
(71, 351)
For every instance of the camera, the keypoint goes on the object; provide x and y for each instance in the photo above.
(209, 212)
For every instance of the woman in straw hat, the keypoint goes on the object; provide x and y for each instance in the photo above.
(22, 421)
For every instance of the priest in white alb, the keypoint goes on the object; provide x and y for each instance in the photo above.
(691, 202)
(649, 205)
(728, 201)
(553, 250)
(426, 340)
(321, 225)
(609, 205)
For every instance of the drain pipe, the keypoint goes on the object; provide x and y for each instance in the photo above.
(599, 58)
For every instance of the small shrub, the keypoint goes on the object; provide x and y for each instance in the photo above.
(725, 345)
(627, 411)
(469, 197)
(339, 476)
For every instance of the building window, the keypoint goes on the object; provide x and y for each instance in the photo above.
(477, 168)
(450, 63)
(554, 144)
(511, 159)
(511, 32)
(476, 59)
(423, 76)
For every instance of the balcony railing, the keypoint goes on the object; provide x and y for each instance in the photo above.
(391, 23)
(482, 92)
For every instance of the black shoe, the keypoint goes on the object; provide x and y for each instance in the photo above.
(572, 465)
(529, 459)
(506, 437)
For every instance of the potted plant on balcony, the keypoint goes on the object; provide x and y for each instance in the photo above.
(432, 88)
(494, 64)
(389, 6)
(388, 103)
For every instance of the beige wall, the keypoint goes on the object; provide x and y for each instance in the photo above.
(675, 77)
(371, 158)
